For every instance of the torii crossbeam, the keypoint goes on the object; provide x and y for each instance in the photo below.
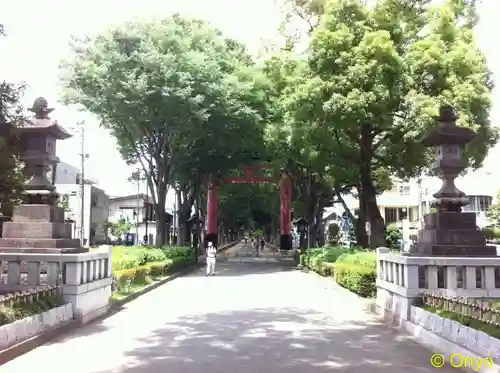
(251, 178)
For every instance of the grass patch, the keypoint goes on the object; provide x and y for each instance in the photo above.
(9, 314)
(489, 329)
(133, 288)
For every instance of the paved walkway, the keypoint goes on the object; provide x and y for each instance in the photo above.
(249, 318)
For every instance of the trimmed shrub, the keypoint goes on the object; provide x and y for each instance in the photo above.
(356, 278)
(147, 273)
(363, 258)
(352, 268)
(393, 237)
(491, 233)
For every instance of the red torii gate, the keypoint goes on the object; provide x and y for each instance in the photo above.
(250, 178)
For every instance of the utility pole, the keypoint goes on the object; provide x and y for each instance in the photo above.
(83, 156)
(146, 209)
(420, 201)
(138, 206)
(174, 218)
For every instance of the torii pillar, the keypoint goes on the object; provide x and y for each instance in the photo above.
(212, 212)
(285, 212)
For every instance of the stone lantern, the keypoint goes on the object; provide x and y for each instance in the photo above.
(38, 225)
(301, 225)
(449, 231)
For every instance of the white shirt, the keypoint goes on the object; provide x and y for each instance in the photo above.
(211, 252)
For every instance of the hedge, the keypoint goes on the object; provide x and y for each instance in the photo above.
(141, 265)
(147, 273)
(352, 268)
(134, 256)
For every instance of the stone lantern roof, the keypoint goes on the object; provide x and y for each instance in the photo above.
(41, 122)
(447, 132)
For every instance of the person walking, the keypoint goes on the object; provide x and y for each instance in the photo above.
(211, 257)
(262, 244)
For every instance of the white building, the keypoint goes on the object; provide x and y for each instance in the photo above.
(402, 201)
(68, 174)
(138, 209)
(95, 204)
(481, 188)
(95, 212)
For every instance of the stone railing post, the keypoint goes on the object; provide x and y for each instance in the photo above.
(87, 284)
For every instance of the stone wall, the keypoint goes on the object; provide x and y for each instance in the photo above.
(21, 330)
(469, 338)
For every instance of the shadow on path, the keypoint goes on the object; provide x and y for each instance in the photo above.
(274, 340)
(237, 269)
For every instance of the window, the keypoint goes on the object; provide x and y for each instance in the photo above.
(391, 215)
(478, 203)
(404, 189)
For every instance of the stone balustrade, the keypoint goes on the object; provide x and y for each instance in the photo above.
(401, 280)
(85, 278)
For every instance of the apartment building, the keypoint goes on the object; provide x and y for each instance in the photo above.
(138, 209)
(95, 204)
(411, 199)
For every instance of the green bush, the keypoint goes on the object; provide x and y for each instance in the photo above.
(141, 265)
(363, 258)
(356, 278)
(316, 258)
(491, 233)
(352, 268)
(133, 256)
(178, 252)
(393, 236)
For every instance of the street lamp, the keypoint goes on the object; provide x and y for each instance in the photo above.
(301, 225)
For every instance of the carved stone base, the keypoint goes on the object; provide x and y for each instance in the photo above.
(451, 234)
(38, 228)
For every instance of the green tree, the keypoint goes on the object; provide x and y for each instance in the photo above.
(64, 202)
(120, 227)
(377, 75)
(493, 212)
(11, 168)
(180, 99)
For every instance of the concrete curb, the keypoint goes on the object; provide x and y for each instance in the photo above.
(30, 344)
(433, 342)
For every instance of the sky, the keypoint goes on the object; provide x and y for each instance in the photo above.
(39, 33)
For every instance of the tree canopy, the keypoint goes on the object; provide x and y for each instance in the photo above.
(11, 169)
(375, 76)
(179, 97)
(345, 116)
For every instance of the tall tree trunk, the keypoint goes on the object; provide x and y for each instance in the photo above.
(320, 230)
(359, 228)
(369, 193)
(179, 217)
(160, 216)
(369, 196)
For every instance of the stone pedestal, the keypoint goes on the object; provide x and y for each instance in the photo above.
(38, 229)
(448, 233)
(402, 280)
